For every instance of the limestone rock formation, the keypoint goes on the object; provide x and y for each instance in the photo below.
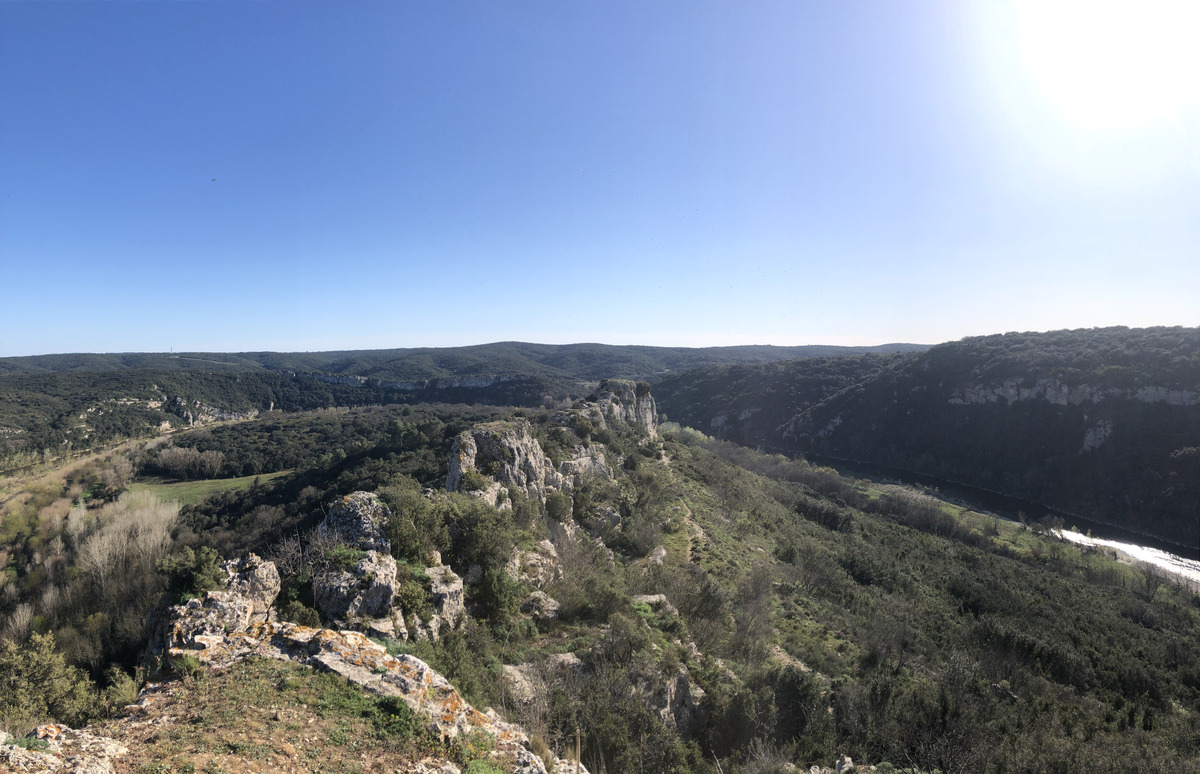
(540, 606)
(508, 453)
(210, 637)
(358, 520)
(683, 707)
(446, 589)
(537, 567)
(619, 401)
(68, 752)
(586, 462)
(629, 402)
(251, 585)
(359, 595)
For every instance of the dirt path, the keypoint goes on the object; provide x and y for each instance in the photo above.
(695, 532)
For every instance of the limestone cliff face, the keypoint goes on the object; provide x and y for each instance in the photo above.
(626, 402)
(1060, 393)
(197, 413)
(508, 453)
(586, 462)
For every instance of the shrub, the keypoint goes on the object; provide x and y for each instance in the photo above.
(341, 556)
(558, 506)
(37, 685)
(191, 573)
(412, 591)
(299, 613)
(473, 481)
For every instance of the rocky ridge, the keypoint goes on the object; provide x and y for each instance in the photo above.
(234, 623)
(507, 454)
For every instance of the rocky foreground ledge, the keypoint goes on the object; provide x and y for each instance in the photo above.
(233, 623)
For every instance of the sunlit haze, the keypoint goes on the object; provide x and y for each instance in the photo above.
(234, 176)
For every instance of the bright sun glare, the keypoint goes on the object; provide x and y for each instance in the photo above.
(1110, 65)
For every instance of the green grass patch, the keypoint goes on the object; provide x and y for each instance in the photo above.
(190, 492)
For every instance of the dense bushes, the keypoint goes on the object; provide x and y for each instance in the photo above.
(37, 685)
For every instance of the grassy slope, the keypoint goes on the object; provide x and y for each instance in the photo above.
(189, 492)
(267, 716)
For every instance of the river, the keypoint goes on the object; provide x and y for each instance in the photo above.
(1176, 565)
(1171, 557)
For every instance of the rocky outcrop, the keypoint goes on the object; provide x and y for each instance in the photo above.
(197, 413)
(507, 453)
(538, 567)
(1060, 393)
(601, 519)
(528, 683)
(586, 463)
(446, 590)
(250, 588)
(224, 628)
(679, 703)
(356, 587)
(619, 400)
(367, 664)
(540, 607)
(68, 751)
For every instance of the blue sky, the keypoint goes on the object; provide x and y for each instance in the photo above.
(243, 175)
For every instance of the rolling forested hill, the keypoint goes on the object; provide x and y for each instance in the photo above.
(53, 403)
(510, 358)
(1104, 423)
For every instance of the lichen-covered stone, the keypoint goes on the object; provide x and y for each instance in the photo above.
(68, 752)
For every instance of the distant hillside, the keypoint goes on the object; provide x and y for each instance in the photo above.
(571, 361)
(748, 404)
(56, 402)
(1101, 422)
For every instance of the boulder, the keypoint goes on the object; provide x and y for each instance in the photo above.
(538, 567)
(358, 520)
(602, 518)
(68, 752)
(540, 606)
(255, 580)
(361, 596)
(245, 598)
(657, 603)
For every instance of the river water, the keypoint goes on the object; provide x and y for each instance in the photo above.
(1171, 557)
(1176, 565)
